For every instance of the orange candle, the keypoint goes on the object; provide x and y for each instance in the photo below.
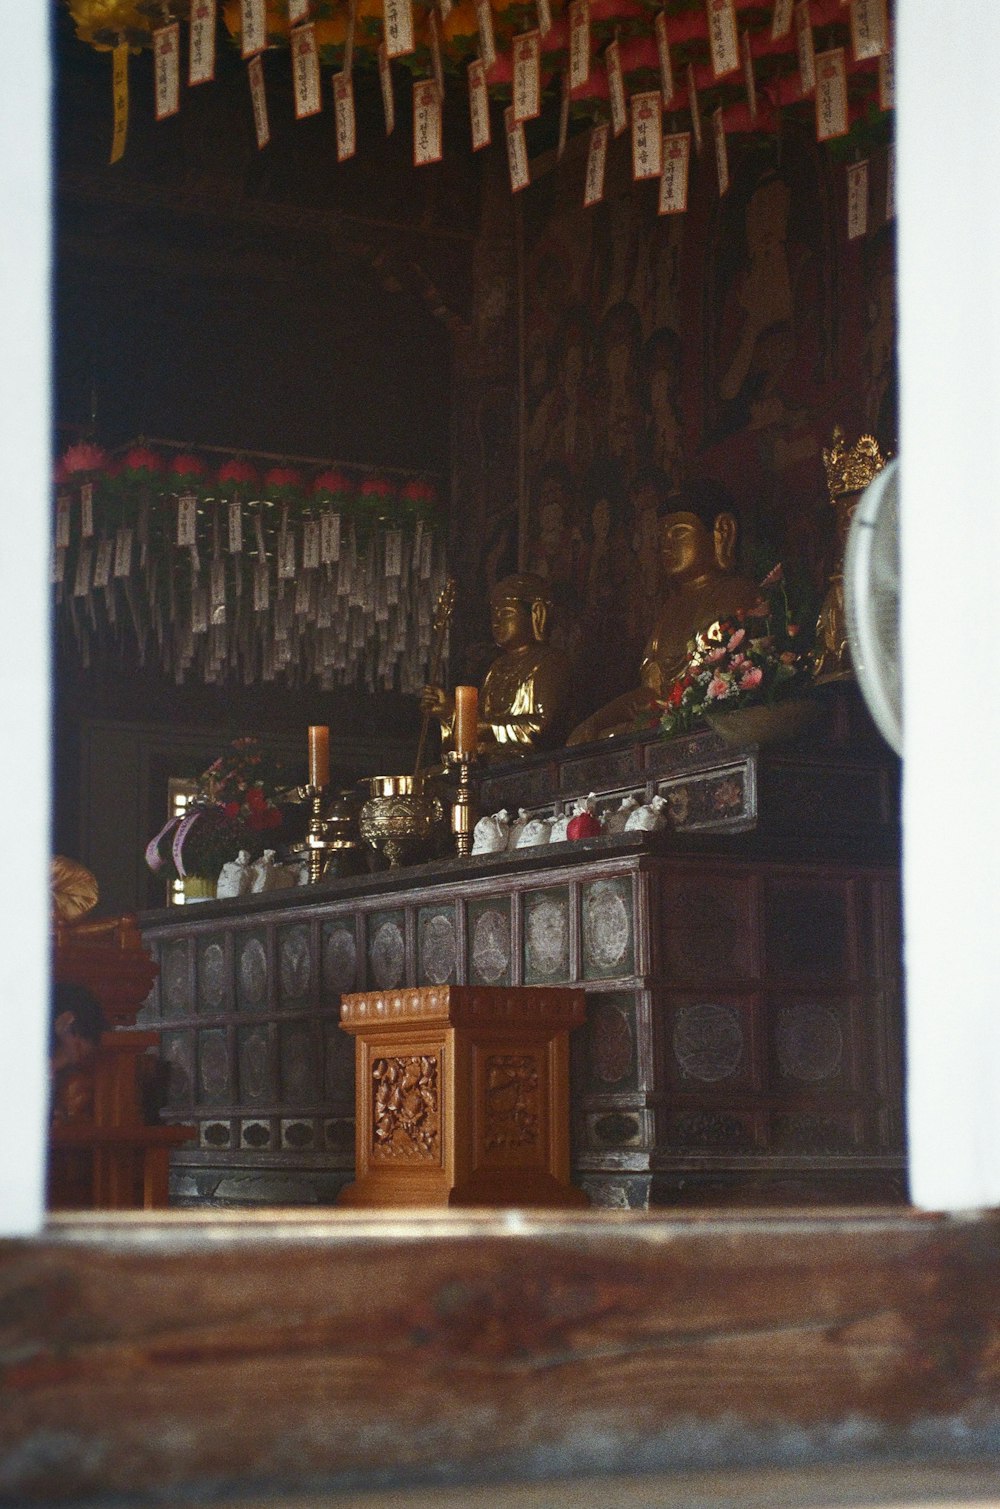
(319, 756)
(466, 719)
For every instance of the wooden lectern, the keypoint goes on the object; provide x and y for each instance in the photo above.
(462, 1096)
(106, 1156)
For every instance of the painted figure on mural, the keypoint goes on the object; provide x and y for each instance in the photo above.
(620, 345)
(560, 428)
(647, 496)
(606, 582)
(661, 363)
(769, 302)
(556, 548)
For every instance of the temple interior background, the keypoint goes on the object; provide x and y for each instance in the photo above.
(507, 347)
(554, 376)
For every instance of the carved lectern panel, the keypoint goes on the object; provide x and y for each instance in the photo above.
(406, 1113)
(512, 1101)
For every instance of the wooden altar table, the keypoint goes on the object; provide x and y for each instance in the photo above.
(742, 1041)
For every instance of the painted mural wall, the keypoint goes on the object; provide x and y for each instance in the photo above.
(725, 343)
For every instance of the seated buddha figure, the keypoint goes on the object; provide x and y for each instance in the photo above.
(525, 697)
(699, 583)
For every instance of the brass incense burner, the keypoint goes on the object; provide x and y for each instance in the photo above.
(399, 818)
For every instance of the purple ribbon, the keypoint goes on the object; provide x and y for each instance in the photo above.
(153, 857)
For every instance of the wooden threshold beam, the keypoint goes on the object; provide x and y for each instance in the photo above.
(258, 1357)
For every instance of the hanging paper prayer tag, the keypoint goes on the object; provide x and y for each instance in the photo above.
(722, 41)
(347, 65)
(597, 157)
(388, 97)
(82, 580)
(187, 519)
(310, 545)
(479, 105)
(721, 152)
(258, 526)
(579, 43)
(201, 42)
(695, 107)
(887, 81)
(253, 21)
(563, 116)
(890, 181)
(119, 96)
(104, 563)
(781, 19)
(393, 552)
(199, 610)
(857, 200)
(217, 590)
(286, 555)
(427, 145)
(305, 71)
(869, 29)
(167, 70)
(123, 551)
(57, 567)
(517, 151)
(445, 9)
(616, 88)
(397, 27)
(87, 510)
(261, 587)
(806, 47)
(435, 45)
(298, 10)
(235, 526)
(544, 17)
(343, 106)
(329, 538)
(667, 86)
(831, 94)
(527, 90)
(674, 177)
(647, 135)
(258, 98)
(487, 38)
(748, 75)
(62, 520)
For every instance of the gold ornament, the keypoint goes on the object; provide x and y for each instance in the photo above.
(107, 23)
(848, 473)
(851, 470)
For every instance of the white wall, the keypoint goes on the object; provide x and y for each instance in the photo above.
(24, 650)
(949, 212)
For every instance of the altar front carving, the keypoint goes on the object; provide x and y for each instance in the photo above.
(741, 971)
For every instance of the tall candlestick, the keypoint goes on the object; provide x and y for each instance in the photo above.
(466, 719)
(319, 756)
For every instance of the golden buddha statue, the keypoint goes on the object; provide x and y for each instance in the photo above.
(697, 540)
(525, 698)
(848, 473)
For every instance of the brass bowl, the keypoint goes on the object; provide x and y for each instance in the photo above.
(399, 818)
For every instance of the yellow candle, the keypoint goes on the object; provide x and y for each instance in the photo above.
(319, 756)
(466, 719)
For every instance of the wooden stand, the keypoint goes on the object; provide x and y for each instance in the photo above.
(115, 1161)
(108, 1158)
(462, 1096)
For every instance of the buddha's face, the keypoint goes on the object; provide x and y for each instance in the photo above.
(510, 622)
(687, 548)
